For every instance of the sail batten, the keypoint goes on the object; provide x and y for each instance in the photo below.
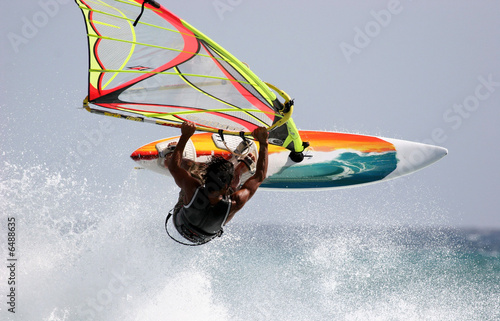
(165, 70)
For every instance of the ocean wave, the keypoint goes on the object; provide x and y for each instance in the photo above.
(91, 252)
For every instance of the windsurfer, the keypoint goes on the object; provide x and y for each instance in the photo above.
(207, 204)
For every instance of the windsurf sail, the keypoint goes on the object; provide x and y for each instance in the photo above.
(164, 71)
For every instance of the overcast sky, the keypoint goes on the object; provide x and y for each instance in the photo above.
(415, 70)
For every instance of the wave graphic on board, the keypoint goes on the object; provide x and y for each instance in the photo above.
(347, 168)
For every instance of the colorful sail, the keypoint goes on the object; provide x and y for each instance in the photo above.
(165, 71)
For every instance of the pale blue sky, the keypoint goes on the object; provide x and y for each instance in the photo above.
(414, 70)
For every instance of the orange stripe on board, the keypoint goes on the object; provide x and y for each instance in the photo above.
(319, 141)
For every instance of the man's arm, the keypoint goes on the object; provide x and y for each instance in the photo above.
(183, 178)
(240, 197)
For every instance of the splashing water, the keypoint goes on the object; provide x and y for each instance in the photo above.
(90, 252)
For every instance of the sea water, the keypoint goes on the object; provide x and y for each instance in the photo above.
(90, 251)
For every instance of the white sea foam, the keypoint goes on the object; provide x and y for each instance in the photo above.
(91, 252)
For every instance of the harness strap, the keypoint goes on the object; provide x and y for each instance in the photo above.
(170, 213)
(221, 134)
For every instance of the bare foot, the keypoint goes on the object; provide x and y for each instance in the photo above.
(240, 169)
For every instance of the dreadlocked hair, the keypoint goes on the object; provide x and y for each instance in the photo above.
(218, 173)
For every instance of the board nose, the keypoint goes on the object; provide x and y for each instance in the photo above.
(414, 156)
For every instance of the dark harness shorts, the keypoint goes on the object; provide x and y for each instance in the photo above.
(199, 221)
